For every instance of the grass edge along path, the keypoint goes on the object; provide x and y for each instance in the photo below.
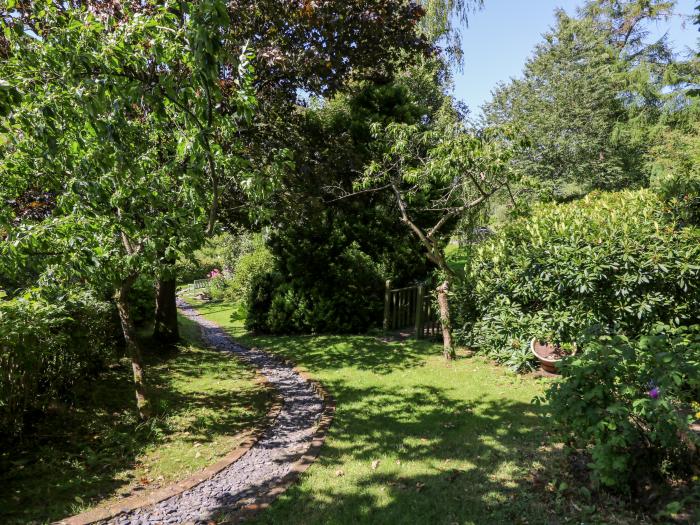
(412, 434)
(99, 453)
(418, 440)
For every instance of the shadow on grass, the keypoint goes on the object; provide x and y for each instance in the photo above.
(447, 454)
(78, 455)
(327, 352)
(440, 461)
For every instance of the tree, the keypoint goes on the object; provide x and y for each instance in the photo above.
(310, 49)
(674, 157)
(319, 49)
(433, 170)
(302, 48)
(443, 21)
(437, 177)
(622, 22)
(587, 97)
(333, 255)
(318, 46)
(165, 323)
(124, 117)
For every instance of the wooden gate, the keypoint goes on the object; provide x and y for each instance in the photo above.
(410, 307)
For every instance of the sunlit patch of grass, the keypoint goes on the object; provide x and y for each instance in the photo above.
(455, 442)
(447, 436)
(98, 450)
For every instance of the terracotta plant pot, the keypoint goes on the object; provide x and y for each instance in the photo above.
(549, 355)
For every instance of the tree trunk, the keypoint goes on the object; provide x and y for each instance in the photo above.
(165, 329)
(448, 349)
(132, 345)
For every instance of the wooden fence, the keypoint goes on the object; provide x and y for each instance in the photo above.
(410, 307)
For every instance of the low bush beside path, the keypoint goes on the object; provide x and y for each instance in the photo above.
(81, 457)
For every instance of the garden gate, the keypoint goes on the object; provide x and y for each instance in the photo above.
(410, 307)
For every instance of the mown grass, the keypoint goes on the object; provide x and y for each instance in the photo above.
(97, 451)
(456, 442)
(456, 257)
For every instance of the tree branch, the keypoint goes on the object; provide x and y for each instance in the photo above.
(461, 209)
(355, 193)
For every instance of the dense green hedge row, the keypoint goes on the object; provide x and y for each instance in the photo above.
(620, 262)
(619, 274)
(46, 350)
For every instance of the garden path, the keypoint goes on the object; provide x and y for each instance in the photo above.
(265, 465)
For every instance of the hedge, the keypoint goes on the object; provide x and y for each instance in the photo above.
(46, 350)
(620, 262)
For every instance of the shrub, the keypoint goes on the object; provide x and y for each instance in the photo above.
(629, 403)
(219, 252)
(619, 261)
(46, 350)
(346, 297)
(259, 300)
(247, 267)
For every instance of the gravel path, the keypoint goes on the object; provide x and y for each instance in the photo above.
(265, 464)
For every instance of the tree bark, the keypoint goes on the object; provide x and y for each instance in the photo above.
(142, 402)
(437, 256)
(165, 328)
(447, 346)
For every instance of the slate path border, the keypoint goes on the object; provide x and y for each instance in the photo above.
(248, 479)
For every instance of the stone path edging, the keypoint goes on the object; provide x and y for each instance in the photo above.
(300, 466)
(137, 501)
(249, 478)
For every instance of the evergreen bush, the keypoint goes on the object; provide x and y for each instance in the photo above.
(48, 348)
(619, 261)
(344, 297)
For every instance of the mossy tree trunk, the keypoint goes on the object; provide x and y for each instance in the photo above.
(132, 345)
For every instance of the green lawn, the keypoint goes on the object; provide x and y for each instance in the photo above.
(80, 457)
(456, 257)
(455, 442)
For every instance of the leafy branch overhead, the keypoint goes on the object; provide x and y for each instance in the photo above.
(132, 122)
(117, 113)
(438, 176)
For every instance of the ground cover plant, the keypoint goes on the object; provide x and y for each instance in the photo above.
(417, 439)
(96, 450)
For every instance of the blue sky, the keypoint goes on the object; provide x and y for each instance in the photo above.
(502, 36)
